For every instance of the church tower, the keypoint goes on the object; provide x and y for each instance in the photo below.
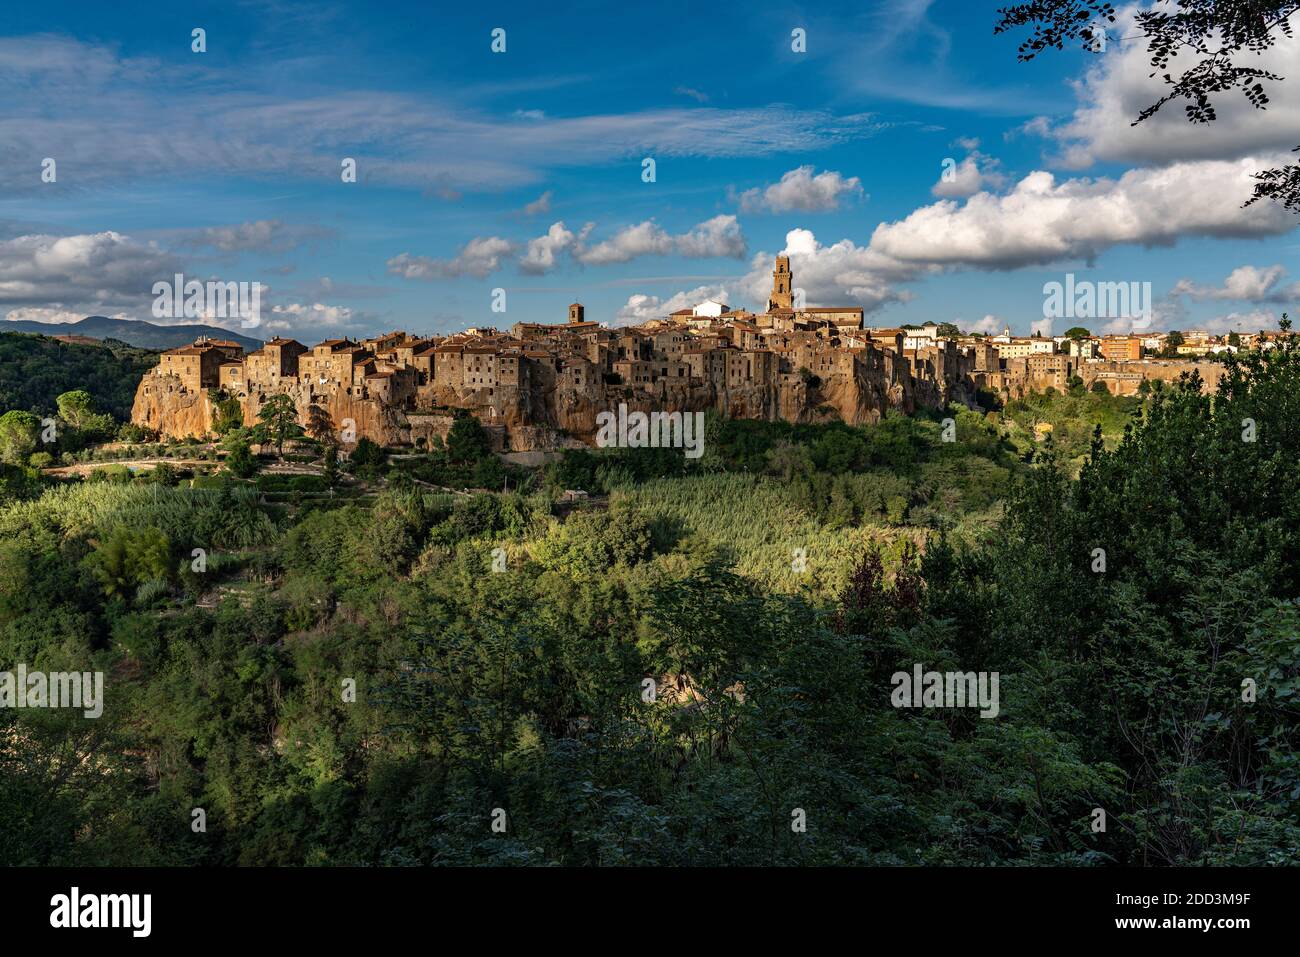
(782, 281)
(576, 312)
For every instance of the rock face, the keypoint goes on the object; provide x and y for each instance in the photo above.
(163, 404)
(542, 414)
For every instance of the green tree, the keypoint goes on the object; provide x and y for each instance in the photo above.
(278, 421)
(467, 440)
(227, 412)
(320, 426)
(240, 460)
(128, 558)
(331, 465)
(367, 459)
(76, 408)
(19, 432)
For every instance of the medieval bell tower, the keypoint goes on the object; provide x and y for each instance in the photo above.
(576, 312)
(782, 281)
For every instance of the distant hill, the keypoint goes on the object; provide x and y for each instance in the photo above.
(134, 332)
(36, 370)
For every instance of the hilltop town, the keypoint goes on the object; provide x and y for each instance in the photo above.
(541, 386)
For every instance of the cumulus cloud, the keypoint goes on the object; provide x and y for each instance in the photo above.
(304, 318)
(989, 325)
(89, 273)
(1042, 220)
(1257, 320)
(800, 189)
(716, 237)
(1246, 284)
(1120, 85)
(641, 308)
(479, 257)
(720, 236)
(543, 252)
(842, 273)
(631, 242)
(972, 175)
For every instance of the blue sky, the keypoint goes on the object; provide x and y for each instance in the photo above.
(522, 170)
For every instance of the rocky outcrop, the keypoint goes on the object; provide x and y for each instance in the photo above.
(163, 404)
(544, 415)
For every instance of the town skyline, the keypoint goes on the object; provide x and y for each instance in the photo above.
(545, 386)
(918, 177)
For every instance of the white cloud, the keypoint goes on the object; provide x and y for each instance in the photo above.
(1120, 85)
(631, 242)
(800, 189)
(974, 174)
(48, 315)
(542, 252)
(836, 275)
(1042, 220)
(1246, 284)
(1256, 320)
(641, 308)
(306, 317)
(479, 257)
(87, 273)
(719, 236)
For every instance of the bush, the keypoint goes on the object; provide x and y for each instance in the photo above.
(240, 461)
(118, 474)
